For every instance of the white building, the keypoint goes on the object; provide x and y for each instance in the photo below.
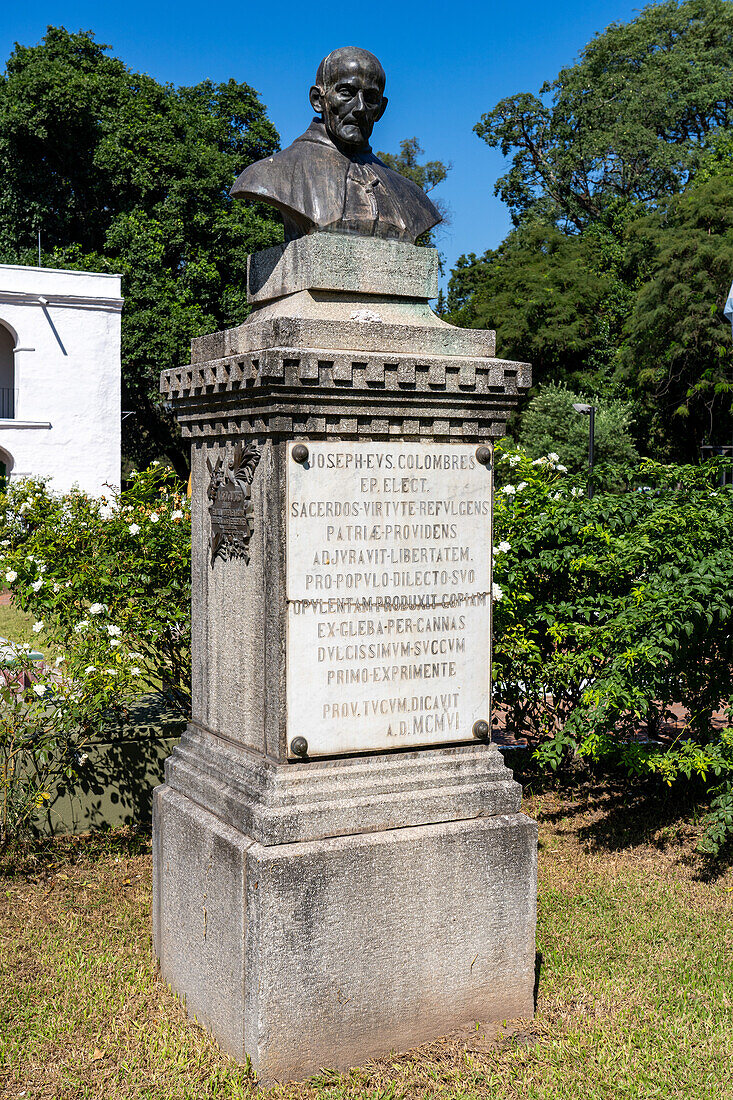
(60, 376)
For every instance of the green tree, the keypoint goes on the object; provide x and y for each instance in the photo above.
(550, 424)
(629, 121)
(677, 352)
(427, 176)
(614, 278)
(550, 298)
(121, 173)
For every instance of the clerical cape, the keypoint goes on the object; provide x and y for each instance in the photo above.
(316, 187)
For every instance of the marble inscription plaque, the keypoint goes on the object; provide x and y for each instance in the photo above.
(389, 595)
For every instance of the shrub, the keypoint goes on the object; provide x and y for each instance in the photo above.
(47, 717)
(108, 582)
(615, 609)
(549, 423)
(115, 570)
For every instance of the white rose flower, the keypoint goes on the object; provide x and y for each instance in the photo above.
(81, 626)
(115, 642)
(37, 585)
(111, 671)
(155, 462)
(113, 631)
(505, 547)
(177, 514)
(154, 517)
(522, 485)
(83, 758)
(24, 506)
(135, 671)
(41, 567)
(134, 528)
(5, 542)
(496, 592)
(561, 469)
(40, 689)
(38, 627)
(509, 490)
(514, 460)
(59, 661)
(539, 461)
(553, 457)
(97, 608)
(90, 668)
(11, 576)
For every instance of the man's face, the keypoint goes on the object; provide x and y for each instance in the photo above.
(351, 102)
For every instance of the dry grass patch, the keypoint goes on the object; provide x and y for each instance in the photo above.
(635, 992)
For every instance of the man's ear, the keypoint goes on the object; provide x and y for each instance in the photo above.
(382, 109)
(316, 98)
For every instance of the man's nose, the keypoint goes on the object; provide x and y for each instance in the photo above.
(359, 106)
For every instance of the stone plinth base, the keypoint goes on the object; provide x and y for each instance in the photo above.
(332, 951)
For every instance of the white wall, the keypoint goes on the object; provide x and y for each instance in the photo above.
(67, 376)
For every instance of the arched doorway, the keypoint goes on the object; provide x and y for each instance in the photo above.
(7, 373)
(6, 465)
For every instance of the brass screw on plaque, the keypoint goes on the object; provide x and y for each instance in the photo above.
(483, 455)
(299, 746)
(480, 730)
(300, 453)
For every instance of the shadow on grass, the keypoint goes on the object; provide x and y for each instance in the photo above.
(37, 857)
(609, 811)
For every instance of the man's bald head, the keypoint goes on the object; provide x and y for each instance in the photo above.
(330, 64)
(349, 94)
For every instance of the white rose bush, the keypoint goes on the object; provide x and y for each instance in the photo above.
(109, 588)
(48, 716)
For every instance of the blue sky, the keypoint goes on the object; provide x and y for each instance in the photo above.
(446, 65)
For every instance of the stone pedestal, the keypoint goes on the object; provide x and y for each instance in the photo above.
(321, 910)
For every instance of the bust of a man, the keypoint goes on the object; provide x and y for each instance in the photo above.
(329, 180)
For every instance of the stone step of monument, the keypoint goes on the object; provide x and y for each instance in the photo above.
(284, 803)
(345, 335)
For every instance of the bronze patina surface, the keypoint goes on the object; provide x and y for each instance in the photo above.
(329, 180)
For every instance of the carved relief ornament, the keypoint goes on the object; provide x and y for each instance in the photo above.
(231, 511)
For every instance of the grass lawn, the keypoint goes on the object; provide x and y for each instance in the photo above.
(635, 993)
(16, 626)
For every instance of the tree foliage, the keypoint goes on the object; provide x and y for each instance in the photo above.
(621, 186)
(676, 349)
(545, 296)
(121, 173)
(628, 121)
(551, 425)
(427, 176)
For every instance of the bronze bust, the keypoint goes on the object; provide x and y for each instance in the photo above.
(329, 180)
